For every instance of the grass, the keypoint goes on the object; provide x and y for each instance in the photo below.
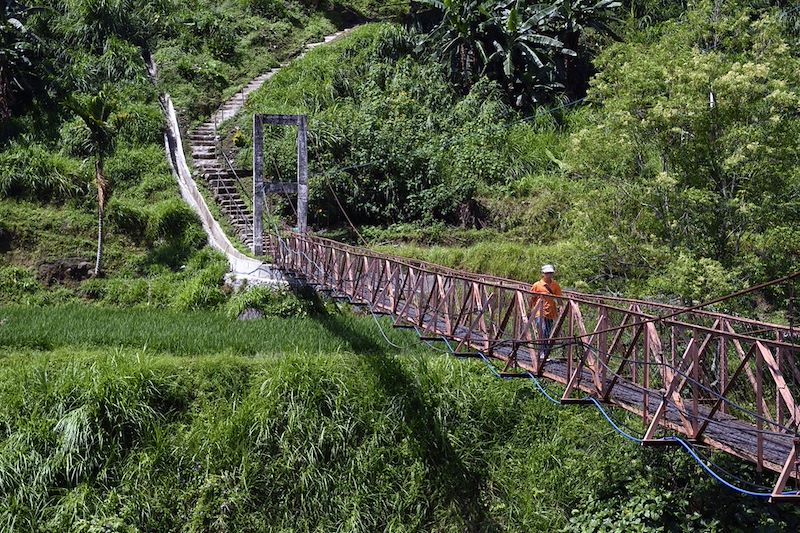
(40, 233)
(154, 420)
(189, 333)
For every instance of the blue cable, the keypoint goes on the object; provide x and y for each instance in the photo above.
(542, 389)
(380, 328)
(449, 346)
(489, 365)
(613, 424)
(686, 446)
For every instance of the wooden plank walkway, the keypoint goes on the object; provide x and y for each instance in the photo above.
(724, 432)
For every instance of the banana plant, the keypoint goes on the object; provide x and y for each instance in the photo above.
(456, 37)
(571, 19)
(521, 53)
(19, 48)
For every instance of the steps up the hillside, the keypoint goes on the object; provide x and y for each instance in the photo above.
(235, 103)
(209, 164)
(221, 179)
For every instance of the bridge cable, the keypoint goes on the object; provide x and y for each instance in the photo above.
(704, 463)
(662, 318)
(693, 381)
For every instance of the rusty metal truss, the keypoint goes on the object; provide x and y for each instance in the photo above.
(723, 381)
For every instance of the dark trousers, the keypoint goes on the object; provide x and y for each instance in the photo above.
(545, 327)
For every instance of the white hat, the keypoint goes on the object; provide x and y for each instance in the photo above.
(548, 269)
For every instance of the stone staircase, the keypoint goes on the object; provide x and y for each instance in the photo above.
(212, 167)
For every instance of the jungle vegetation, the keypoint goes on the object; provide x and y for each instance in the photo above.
(675, 175)
(643, 146)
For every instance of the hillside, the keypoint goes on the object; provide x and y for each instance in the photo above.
(154, 245)
(641, 187)
(132, 401)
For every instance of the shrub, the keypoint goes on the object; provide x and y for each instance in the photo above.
(16, 283)
(268, 300)
(198, 294)
(33, 171)
(170, 220)
(131, 164)
(126, 292)
(155, 186)
(140, 124)
(693, 279)
(202, 289)
(207, 258)
(128, 218)
(74, 137)
(7, 236)
(266, 8)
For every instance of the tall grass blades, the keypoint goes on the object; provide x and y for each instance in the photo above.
(32, 171)
(116, 439)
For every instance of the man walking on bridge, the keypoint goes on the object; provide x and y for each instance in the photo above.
(548, 308)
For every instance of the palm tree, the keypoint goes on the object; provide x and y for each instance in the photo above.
(95, 111)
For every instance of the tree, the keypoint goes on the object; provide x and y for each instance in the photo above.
(644, 13)
(570, 19)
(96, 113)
(19, 49)
(522, 56)
(529, 48)
(454, 40)
(703, 139)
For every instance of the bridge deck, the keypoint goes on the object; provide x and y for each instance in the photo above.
(724, 432)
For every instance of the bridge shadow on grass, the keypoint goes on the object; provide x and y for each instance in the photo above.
(447, 476)
(361, 344)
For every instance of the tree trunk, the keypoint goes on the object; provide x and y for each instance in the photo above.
(5, 96)
(102, 198)
(573, 83)
(99, 260)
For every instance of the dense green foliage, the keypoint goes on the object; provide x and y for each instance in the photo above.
(150, 412)
(704, 121)
(679, 178)
(84, 111)
(95, 119)
(211, 50)
(165, 421)
(396, 123)
(534, 50)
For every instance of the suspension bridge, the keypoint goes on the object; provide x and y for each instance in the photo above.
(718, 380)
(694, 377)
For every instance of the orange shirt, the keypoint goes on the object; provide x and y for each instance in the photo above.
(549, 306)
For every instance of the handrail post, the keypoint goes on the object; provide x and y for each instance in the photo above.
(302, 173)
